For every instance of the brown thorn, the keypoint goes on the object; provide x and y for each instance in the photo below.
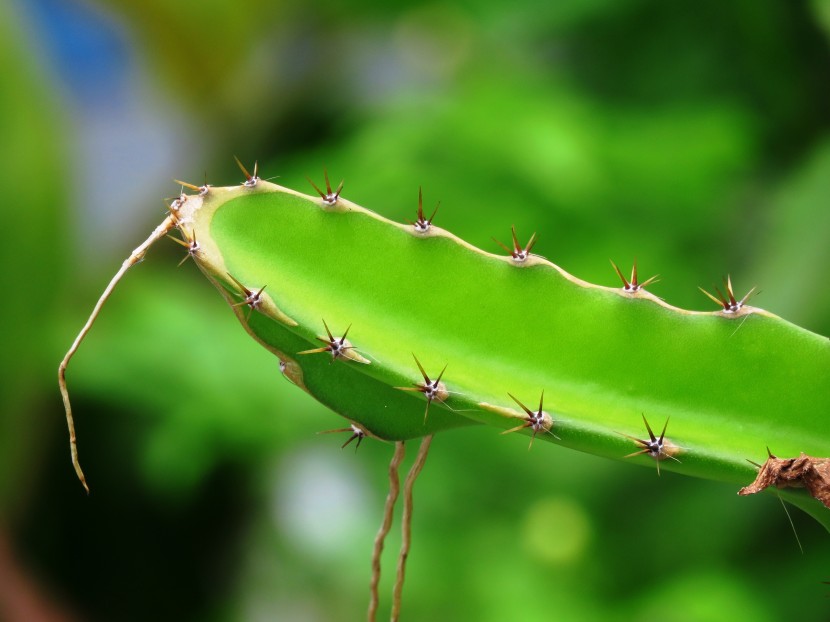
(252, 299)
(626, 284)
(518, 253)
(510, 252)
(635, 280)
(516, 246)
(186, 245)
(441, 375)
(535, 420)
(634, 284)
(532, 438)
(729, 303)
(247, 291)
(421, 368)
(435, 211)
(526, 424)
(649, 446)
(178, 241)
(242, 168)
(334, 346)
(663, 433)
(191, 186)
(357, 433)
(191, 245)
(251, 180)
(328, 332)
(648, 427)
(335, 431)
(748, 294)
(720, 303)
(525, 408)
(329, 197)
(530, 244)
(422, 223)
(314, 351)
(649, 281)
(728, 284)
(326, 177)
(320, 192)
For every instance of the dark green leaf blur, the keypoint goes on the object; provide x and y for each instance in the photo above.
(692, 136)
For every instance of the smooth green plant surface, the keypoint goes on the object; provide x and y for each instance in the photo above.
(729, 384)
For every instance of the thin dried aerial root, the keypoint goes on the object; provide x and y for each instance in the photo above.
(538, 421)
(358, 433)
(432, 389)
(633, 285)
(388, 508)
(517, 253)
(406, 525)
(337, 347)
(657, 448)
(422, 224)
(330, 197)
(729, 303)
(136, 256)
(802, 472)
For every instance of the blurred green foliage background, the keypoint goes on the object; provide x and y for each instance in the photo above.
(692, 135)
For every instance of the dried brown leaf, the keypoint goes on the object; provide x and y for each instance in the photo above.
(802, 472)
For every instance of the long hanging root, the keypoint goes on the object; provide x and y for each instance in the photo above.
(136, 256)
(406, 524)
(391, 498)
